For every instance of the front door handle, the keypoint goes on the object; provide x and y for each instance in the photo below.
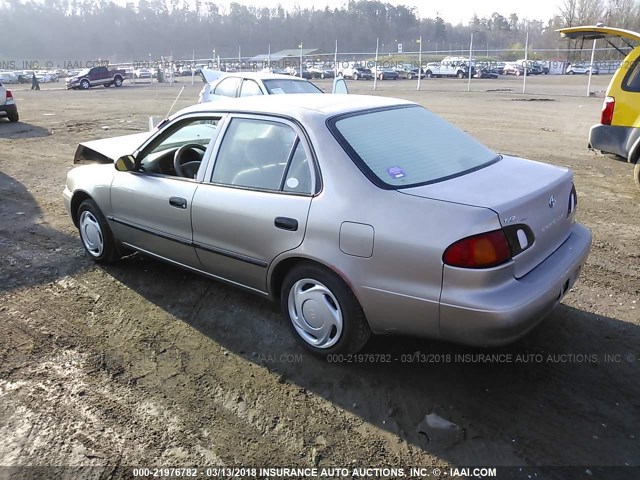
(286, 223)
(178, 202)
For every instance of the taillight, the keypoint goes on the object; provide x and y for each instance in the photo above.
(479, 251)
(607, 110)
(9, 95)
(573, 201)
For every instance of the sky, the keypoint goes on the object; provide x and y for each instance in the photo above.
(452, 11)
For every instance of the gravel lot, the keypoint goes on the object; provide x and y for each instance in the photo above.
(140, 363)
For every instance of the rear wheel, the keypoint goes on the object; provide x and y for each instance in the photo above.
(429, 74)
(355, 76)
(106, 85)
(460, 74)
(636, 174)
(13, 116)
(95, 233)
(323, 314)
(117, 82)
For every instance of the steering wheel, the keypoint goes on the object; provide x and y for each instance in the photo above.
(190, 168)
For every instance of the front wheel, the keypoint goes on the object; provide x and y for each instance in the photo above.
(323, 314)
(95, 233)
(461, 74)
(84, 84)
(355, 76)
(636, 174)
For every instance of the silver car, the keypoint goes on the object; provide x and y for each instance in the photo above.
(358, 214)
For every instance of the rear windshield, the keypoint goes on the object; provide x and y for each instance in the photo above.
(276, 86)
(406, 147)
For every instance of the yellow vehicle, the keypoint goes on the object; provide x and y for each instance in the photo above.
(619, 130)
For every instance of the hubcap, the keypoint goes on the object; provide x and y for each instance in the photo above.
(315, 313)
(91, 234)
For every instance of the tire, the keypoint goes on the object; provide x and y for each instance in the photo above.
(106, 85)
(429, 74)
(460, 74)
(95, 233)
(636, 174)
(355, 76)
(410, 76)
(571, 72)
(13, 116)
(322, 76)
(309, 285)
(117, 82)
(84, 84)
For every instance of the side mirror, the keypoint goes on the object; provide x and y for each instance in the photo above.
(126, 163)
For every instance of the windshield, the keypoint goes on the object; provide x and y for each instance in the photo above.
(406, 147)
(280, 86)
(84, 71)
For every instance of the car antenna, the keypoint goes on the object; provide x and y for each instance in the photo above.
(174, 102)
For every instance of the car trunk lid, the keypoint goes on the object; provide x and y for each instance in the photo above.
(526, 195)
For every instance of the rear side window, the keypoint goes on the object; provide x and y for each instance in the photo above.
(631, 82)
(254, 154)
(228, 87)
(409, 146)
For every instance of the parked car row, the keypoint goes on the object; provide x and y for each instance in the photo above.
(25, 76)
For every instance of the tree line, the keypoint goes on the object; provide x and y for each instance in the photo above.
(90, 29)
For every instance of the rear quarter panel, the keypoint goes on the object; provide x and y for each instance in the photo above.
(627, 108)
(399, 284)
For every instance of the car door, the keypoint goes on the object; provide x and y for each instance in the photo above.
(151, 207)
(97, 75)
(255, 200)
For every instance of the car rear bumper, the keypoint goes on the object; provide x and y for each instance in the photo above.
(6, 110)
(498, 316)
(613, 139)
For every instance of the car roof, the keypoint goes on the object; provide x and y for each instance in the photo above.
(297, 105)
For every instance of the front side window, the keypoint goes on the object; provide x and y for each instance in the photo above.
(254, 154)
(193, 134)
(406, 147)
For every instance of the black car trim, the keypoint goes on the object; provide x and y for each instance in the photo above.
(189, 243)
(166, 236)
(236, 256)
(197, 270)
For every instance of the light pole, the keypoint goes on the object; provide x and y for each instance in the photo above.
(419, 61)
(300, 59)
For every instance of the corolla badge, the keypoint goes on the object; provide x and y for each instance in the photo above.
(552, 201)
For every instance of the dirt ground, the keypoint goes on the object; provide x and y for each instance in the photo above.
(142, 364)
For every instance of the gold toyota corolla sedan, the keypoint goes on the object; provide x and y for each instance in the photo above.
(358, 214)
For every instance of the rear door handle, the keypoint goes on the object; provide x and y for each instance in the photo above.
(286, 223)
(178, 202)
